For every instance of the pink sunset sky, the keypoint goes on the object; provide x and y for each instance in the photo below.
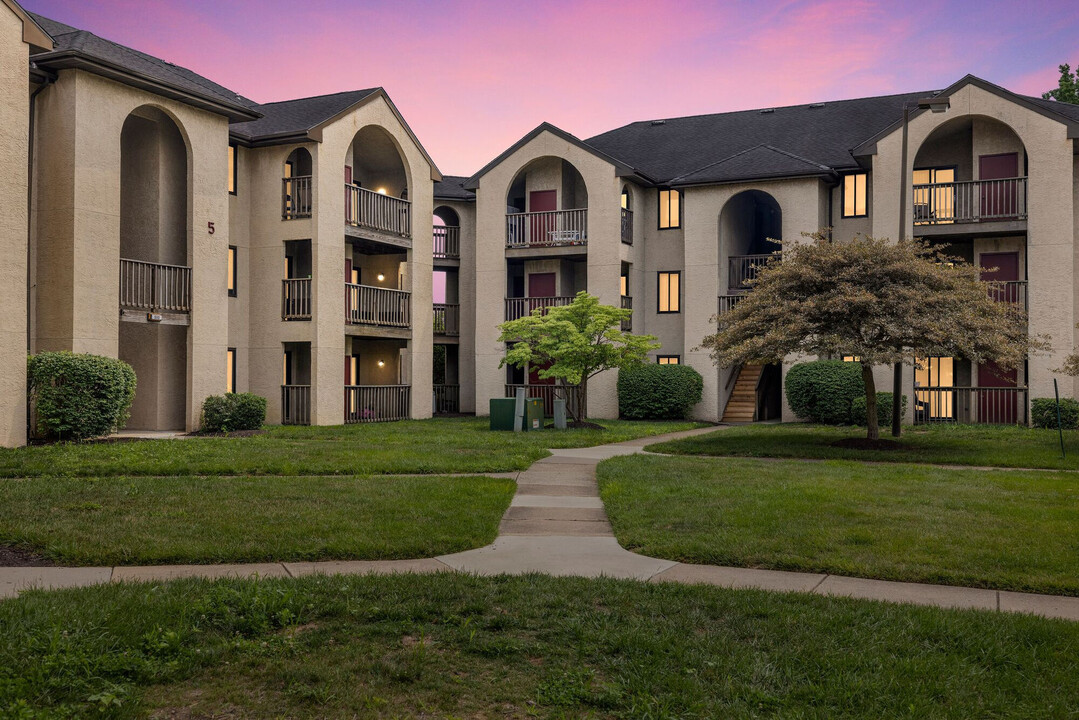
(472, 77)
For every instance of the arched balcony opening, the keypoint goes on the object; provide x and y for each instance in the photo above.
(296, 181)
(376, 184)
(547, 205)
(750, 231)
(447, 234)
(627, 215)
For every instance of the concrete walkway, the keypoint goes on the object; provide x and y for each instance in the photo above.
(556, 525)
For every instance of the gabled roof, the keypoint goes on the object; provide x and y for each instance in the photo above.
(32, 32)
(452, 187)
(621, 168)
(291, 118)
(757, 163)
(76, 48)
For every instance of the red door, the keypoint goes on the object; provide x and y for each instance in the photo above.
(348, 193)
(1001, 269)
(998, 198)
(541, 226)
(540, 286)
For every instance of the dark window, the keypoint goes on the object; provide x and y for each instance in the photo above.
(230, 367)
(668, 359)
(670, 286)
(670, 209)
(854, 195)
(232, 169)
(232, 271)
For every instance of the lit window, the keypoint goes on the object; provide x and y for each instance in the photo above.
(854, 195)
(232, 271)
(934, 196)
(669, 287)
(625, 286)
(670, 209)
(852, 358)
(934, 379)
(230, 370)
(667, 359)
(232, 169)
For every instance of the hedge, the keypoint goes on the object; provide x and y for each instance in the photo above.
(1043, 413)
(658, 392)
(884, 409)
(823, 391)
(233, 411)
(77, 396)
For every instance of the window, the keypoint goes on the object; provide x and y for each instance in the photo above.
(854, 195)
(625, 286)
(934, 201)
(230, 370)
(667, 359)
(670, 209)
(232, 271)
(232, 169)
(852, 358)
(669, 288)
(933, 379)
(287, 379)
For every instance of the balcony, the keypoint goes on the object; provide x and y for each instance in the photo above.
(727, 303)
(375, 211)
(627, 226)
(446, 400)
(1009, 291)
(295, 404)
(548, 392)
(557, 228)
(367, 305)
(296, 299)
(296, 197)
(971, 405)
(520, 307)
(447, 319)
(447, 242)
(155, 288)
(971, 201)
(743, 269)
(376, 403)
(627, 304)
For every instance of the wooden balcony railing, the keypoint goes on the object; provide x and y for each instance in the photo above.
(727, 303)
(447, 319)
(627, 304)
(447, 399)
(627, 226)
(519, 307)
(296, 197)
(154, 286)
(376, 403)
(296, 299)
(971, 405)
(295, 404)
(367, 305)
(744, 268)
(447, 242)
(970, 201)
(547, 229)
(376, 211)
(1009, 291)
(570, 393)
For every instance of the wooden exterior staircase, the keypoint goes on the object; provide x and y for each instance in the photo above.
(742, 404)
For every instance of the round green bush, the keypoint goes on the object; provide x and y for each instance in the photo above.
(884, 409)
(233, 411)
(658, 392)
(77, 396)
(1043, 413)
(822, 391)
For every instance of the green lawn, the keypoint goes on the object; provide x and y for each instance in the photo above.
(998, 529)
(1003, 446)
(462, 646)
(438, 446)
(162, 520)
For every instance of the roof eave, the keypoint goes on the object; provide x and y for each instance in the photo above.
(824, 175)
(32, 33)
(282, 138)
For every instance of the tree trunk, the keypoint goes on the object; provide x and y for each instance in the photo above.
(584, 400)
(871, 420)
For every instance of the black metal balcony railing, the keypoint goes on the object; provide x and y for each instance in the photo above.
(627, 226)
(520, 307)
(447, 399)
(154, 286)
(295, 404)
(447, 319)
(570, 393)
(742, 269)
(296, 197)
(1009, 291)
(367, 305)
(971, 405)
(376, 211)
(970, 201)
(547, 229)
(627, 304)
(727, 303)
(296, 299)
(447, 242)
(376, 403)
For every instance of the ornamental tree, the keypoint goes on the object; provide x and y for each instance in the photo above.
(880, 302)
(1067, 89)
(574, 343)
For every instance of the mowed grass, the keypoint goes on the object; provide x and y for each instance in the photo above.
(436, 446)
(453, 645)
(996, 529)
(983, 445)
(166, 520)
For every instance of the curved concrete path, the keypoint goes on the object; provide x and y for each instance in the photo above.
(556, 524)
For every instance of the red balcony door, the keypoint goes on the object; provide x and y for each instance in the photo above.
(540, 285)
(998, 198)
(542, 201)
(1001, 268)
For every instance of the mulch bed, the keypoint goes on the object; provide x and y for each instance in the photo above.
(860, 443)
(17, 557)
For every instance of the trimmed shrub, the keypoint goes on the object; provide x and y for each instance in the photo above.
(76, 396)
(822, 391)
(233, 411)
(658, 392)
(884, 409)
(1043, 413)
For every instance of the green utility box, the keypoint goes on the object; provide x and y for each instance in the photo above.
(533, 414)
(502, 413)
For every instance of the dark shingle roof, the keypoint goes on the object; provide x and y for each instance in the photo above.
(298, 116)
(452, 187)
(760, 162)
(74, 47)
(820, 134)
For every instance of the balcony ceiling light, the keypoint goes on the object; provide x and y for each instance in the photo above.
(381, 191)
(381, 277)
(381, 363)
